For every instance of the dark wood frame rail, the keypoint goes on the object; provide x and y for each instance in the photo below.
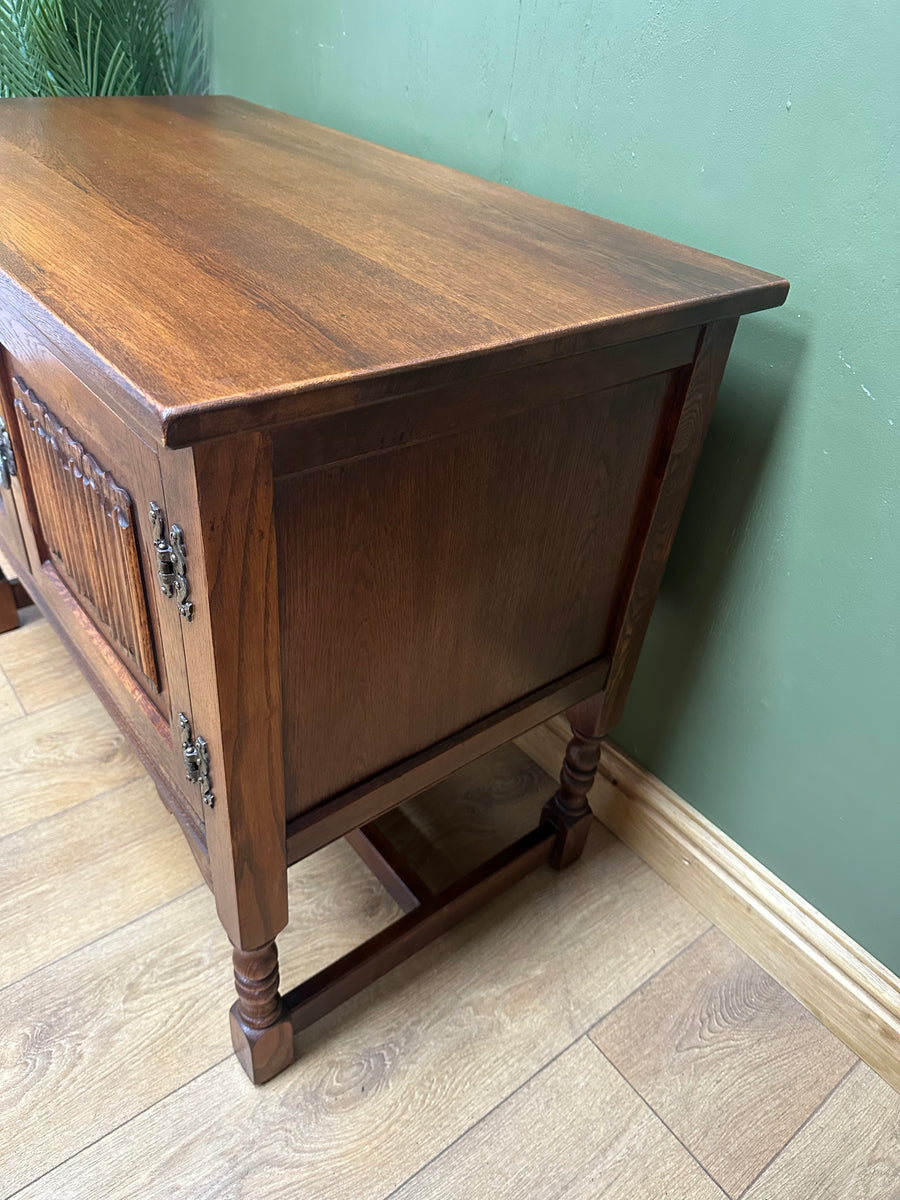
(335, 470)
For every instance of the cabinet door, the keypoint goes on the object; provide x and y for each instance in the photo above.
(91, 484)
(87, 525)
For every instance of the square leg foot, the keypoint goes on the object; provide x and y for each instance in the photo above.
(9, 616)
(571, 833)
(263, 1053)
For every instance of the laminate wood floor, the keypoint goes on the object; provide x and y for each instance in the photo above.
(587, 1035)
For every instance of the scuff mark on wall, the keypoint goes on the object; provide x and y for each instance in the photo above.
(512, 80)
(852, 371)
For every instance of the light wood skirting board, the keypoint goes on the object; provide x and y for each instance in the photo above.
(850, 992)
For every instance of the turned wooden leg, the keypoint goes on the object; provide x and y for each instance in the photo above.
(568, 808)
(9, 615)
(261, 1030)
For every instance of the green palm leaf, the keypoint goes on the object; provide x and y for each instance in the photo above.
(101, 48)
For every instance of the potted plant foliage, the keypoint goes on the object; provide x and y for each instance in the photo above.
(101, 48)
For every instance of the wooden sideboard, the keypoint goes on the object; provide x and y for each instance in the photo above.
(336, 469)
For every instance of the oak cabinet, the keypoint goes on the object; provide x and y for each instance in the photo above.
(335, 470)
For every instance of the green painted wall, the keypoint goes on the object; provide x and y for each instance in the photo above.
(768, 694)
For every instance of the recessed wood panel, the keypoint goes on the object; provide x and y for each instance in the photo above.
(425, 588)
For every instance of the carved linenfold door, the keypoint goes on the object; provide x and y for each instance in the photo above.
(87, 485)
(88, 525)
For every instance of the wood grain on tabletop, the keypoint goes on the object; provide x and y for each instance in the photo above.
(573, 1125)
(58, 757)
(385, 1082)
(164, 983)
(725, 1057)
(849, 1150)
(352, 259)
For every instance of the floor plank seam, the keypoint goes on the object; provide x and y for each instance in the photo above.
(43, 710)
(662, 1122)
(484, 1116)
(659, 970)
(60, 812)
(109, 1132)
(595, 1020)
(800, 1127)
(109, 933)
(18, 698)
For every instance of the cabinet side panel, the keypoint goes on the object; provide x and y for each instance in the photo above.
(424, 588)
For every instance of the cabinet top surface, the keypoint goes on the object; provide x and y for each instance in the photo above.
(205, 255)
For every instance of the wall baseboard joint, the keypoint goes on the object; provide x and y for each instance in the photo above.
(850, 991)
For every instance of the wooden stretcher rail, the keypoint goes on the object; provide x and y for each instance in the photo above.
(412, 932)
